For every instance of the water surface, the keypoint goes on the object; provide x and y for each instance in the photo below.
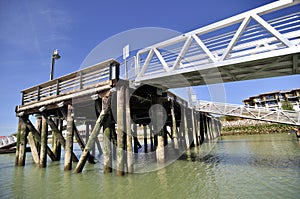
(254, 166)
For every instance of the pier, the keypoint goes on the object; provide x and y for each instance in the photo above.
(96, 98)
(243, 47)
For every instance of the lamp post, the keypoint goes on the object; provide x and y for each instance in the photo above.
(55, 56)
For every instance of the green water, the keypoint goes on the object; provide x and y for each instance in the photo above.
(256, 166)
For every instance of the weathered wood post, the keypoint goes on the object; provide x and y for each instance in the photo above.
(194, 128)
(37, 136)
(205, 127)
(21, 143)
(38, 125)
(69, 139)
(186, 128)
(120, 129)
(174, 127)
(108, 127)
(56, 146)
(165, 135)
(135, 139)
(197, 124)
(151, 138)
(145, 138)
(18, 142)
(107, 152)
(201, 128)
(128, 133)
(33, 148)
(210, 124)
(158, 125)
(210, 128)
(101, 119)
(44, 140)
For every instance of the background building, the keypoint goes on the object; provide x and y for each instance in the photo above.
(275, 100)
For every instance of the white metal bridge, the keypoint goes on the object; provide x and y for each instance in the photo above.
(276, 115)
(8, 142)
(260, 43)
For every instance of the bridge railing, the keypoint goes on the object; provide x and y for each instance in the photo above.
(243, 35)
(260, 113)
(76, 81)
(8, 140)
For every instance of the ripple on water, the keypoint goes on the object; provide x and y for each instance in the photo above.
(234, 167)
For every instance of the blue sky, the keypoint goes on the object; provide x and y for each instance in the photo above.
(30, 30)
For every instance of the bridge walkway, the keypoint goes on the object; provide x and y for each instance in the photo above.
(261, 113)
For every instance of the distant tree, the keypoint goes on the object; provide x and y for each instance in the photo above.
(286, 105)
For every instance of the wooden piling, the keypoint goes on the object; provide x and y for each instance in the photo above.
(44, 139)
(59, 136)
(205, 127)
(135, 139)
(18, 141)
(107, 153)
(102, 117)
(56, 146)
(77, 136)
(145, 139)
(174, 128)
(120, 130)
(151, 138)
(128, 133)
(69, 139)
(37, 135)
(81, 144)
(201, 128)
(194, 128)
(165, 135)
(22, 144)
(33, 148)
(159, 128)
(186, 129)
(100, 152)
(38, 125)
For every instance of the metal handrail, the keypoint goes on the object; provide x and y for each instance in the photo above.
(276, 34)
(256, 113)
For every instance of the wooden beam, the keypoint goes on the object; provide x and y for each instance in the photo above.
(44, 136)
(120, 129)
(59, 135)
(102, 117)
(56, 145)
(145, 138)
(107, 152)
(18, 141)
(69, 139)
(194, 129)
(22, 144)
(80, 142)
(34, 151)
(130, 168)
(78, 138)
(174, 128)
(37, 136)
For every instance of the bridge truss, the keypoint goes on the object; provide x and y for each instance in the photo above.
(263, 42)
(276, 115)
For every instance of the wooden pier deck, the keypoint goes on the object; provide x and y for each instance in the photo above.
(96, 98)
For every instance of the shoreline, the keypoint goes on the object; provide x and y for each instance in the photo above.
(262, 128)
